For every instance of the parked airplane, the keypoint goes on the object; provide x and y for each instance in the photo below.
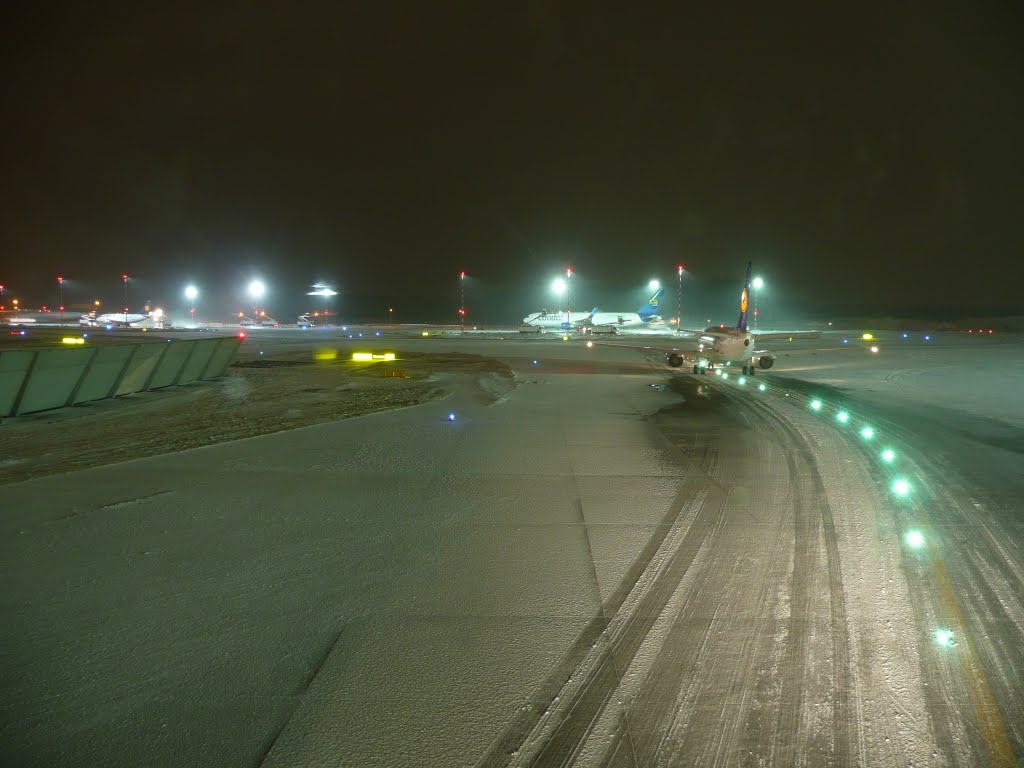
(725, 346)
(643, 315)
(154, 319)
(562, 320)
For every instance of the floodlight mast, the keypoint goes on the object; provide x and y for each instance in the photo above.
(462, 301)
(679, 298)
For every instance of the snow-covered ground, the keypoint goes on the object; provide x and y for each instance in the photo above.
(583, 569)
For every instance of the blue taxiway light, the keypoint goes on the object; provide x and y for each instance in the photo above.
(846, 341)
(451, 417)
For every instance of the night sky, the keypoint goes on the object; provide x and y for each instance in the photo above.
(862, 154)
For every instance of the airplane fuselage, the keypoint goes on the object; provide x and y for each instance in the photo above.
(555, 319)
(625, 319)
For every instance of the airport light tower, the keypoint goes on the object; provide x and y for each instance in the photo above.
(60, 290)
(558, 287)
(256, 289)
(757, 285)
(462, 301)
(679, 298)
(568, 298)
(125, 279)
(191, 293)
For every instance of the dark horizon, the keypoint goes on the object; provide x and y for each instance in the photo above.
(869, 157)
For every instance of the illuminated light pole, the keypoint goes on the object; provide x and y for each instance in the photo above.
(568, 298)
(462, 301)
(679, 298)
(256, 289)
(191, 293)
(319, 289)
(758, 284)
(125, 278)
(60, 284)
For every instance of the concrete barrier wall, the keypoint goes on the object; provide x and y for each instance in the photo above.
(40, 379)
(106, 368)
(14, 366)
(53, 377)
(195, 366)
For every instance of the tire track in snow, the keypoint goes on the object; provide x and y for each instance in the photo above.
(811, 511)
(582, 683)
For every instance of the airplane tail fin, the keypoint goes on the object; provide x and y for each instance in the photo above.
(744, 298)
(649, 308)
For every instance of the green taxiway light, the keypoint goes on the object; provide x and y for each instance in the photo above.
(815, 405)
(914, 539)
(901, 487)
(867, 433)
(944, 637)
(842, 417)
(725, 375)
(742, 380)
(888, 455)
(762, 387)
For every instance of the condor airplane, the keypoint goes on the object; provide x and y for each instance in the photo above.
(643, 315)
(545, 319)
(725, 346)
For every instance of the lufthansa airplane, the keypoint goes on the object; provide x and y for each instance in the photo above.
(725, 346)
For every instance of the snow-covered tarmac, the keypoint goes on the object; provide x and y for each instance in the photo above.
(590, 570)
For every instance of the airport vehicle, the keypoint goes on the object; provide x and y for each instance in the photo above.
(725, 346)
(643, 315)
(545, 319)
(609, 329)
(527, 328)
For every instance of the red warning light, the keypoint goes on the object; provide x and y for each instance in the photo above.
(462, 274)
(462, 311)
(241, 334)
(990, 330)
